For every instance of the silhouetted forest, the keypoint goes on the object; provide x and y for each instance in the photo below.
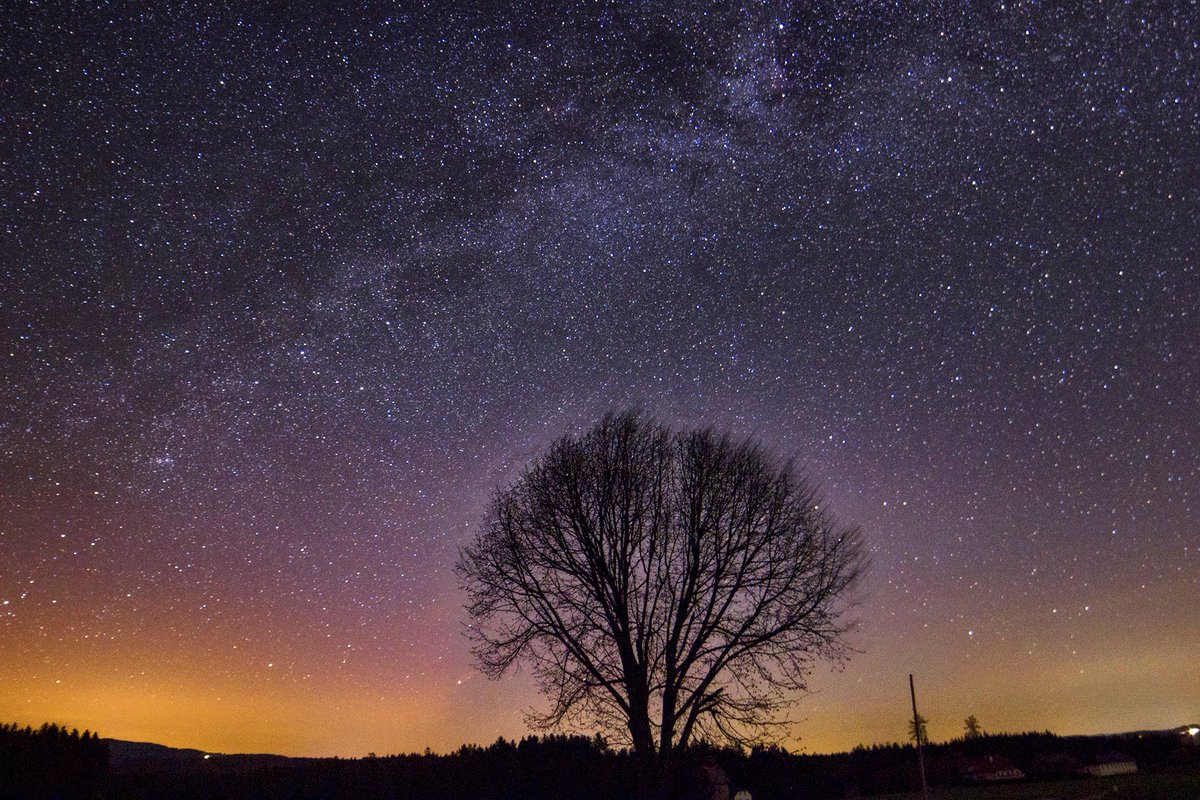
(51, 762)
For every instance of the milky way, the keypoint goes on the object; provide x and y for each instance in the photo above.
(283, 299)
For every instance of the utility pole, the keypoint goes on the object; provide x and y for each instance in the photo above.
(917, 735)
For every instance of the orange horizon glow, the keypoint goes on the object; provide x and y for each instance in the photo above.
(255, 705)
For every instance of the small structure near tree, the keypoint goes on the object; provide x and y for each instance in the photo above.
(993, 768)
(1111, 765)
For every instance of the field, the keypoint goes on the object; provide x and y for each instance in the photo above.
(1160, 786)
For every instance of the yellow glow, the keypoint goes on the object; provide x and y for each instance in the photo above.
(213, 690)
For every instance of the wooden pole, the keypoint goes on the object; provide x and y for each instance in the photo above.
(917, 735)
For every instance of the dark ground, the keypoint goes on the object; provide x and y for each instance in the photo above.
(54, 763)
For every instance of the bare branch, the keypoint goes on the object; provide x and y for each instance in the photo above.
(660, 585)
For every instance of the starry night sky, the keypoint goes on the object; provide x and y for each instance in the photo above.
(283, 299)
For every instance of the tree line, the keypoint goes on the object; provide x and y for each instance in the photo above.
(52, 762)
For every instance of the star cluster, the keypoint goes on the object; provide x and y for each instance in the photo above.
(284, 297)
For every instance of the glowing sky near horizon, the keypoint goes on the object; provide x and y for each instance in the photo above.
(283, 299)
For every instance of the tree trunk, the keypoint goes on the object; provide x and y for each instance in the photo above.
(639, 724)
(666, 740)
(652, 776)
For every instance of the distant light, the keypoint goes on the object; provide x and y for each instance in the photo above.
(1193, 731)
(208, 755)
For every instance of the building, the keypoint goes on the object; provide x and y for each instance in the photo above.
(1111, 765)
(993, 768)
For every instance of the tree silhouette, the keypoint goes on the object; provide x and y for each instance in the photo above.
(917, 730)
(51, 762)
(972, 728)
(665, 586)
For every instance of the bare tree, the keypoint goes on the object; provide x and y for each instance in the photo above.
(666, 586)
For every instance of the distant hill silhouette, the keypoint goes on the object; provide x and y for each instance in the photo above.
(124, 754)
(127, 756)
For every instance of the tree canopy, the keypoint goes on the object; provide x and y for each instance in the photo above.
(663, 585)
(918, 730)
(971, 727)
